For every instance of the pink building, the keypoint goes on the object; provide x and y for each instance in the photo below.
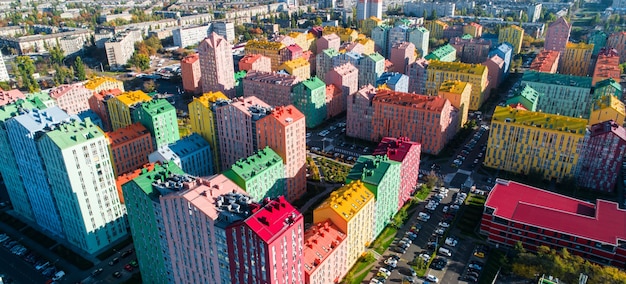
(346, 77)
(325, 253)
(193, 219)
(360, 113)
(129, 147)
(402, 54)
(286, 40)
(98, 103)
(291, 52)
(7, 97)
(495, 71)
(256, 62)
(471, 50)
(431, 121)
(273, 88)
(546, 61)
(557, 35)
(408, 153)
(216, 65)
(328, 41)
(284, 130)
(417, 76)
(607, 66)
(267, 246)
(190, 73)
(237, 128)
(73, 99)
(334, 101)
(617, 40)
(453, 31)
(308, 55)
(601, 158)
(353, 47)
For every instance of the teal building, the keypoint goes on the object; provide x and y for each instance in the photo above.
(566, 95)
(371, 67)
(598, 39)
(446, 53)
(158, 116)
(309, 97)
(260, 175)
(607, 87)
(525, 96)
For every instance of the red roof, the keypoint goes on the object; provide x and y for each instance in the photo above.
(603, 222)
(395, 149)
(286, 115)
(319, 242)
(271, 220)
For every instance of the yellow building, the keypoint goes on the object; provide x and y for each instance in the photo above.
(299, 67)
(522, 141)
(607, 108)
(435, 28)
(300, 39)
(267, 48)
(513, 35)
(576, 59)
(475, 74)
(368, 44)
(473, 29)
(311, 43)
(458, 93)
(351, 208)
(370, 23)
(119, 107)
(99, 84)
(202, 121)
(345, 34)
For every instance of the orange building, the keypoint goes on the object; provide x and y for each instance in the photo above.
(256, 62)
(190, 73)
(325, 253)
(546, 61)
(284, 130)
(607, 66)
(124, 178)
(98, 103)
(129, 147)
(334, 100)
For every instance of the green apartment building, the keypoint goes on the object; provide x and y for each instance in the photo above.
(525, 96)
(260, 175)
(371, 67)
(446, 53)
(607, 87)
(562, 94)
(141, 196)
(309, 97)
(381, 176)
(158, 116)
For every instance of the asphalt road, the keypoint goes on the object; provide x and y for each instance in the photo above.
(17, 269)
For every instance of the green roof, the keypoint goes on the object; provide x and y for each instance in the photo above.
(441, 52)
(330, 52)
(74, 133)
(609, 82)
(526, 96)
(421, 29)
(314, 83)
(13, 109)
(157, 106)
(557, 79)
(240, 75)
(249, 167)
(467, 36)
(43, 100)
(370, 169)
(160, 173)
(376, 57)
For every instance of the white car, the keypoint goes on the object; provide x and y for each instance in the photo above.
(440, 231)
(445, 209)
(424, 216)
(425, 257)
(385, 271)
(432, 278)
(444, 225)
(451, 242)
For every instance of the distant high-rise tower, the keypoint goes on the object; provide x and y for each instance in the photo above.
(369, 8)
(216, 65)
(557, 35)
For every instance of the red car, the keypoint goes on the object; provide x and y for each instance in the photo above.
(128, 267)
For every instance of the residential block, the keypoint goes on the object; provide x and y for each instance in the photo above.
(309, 97)
(203, 121)
(273, 88)
(474, 74)
(563, 94)
(120, 107)
(159, 117)
(576, 59)
(129, 147)
(192, 154)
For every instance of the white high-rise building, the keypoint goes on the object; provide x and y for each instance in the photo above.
(4, 75)
(187, 36)
(226, 30)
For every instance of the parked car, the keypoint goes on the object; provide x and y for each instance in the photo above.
(444, 251)
(114, 261)
(128, 268)
(432, 278)
(96, 272)
(451, 241)
(117, 274)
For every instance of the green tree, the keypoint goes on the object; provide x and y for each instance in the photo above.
(432, 180)
(56, 55)
(139, 60)
(79, 69)
(26, 70)
(318, 21)
(433, 15)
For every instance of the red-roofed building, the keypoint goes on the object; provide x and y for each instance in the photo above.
(267, 246)
(73, 99)
(98, 103)
(334, 101)
(124, 178)
(129, 147)
(546, 61)
(601, 158)
(7, 97)
(536, 217)
(291, 52)
(256, 62)
(607, 66)
(325, 252)
(190, 73)
(408, 154)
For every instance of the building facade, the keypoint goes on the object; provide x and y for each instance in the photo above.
(324, 254)
(256, 62)
(73, 99)
(458, 93)
(190, 35)
(576, 59)
(407, 153)
(471, 50)
(99, 84)
(345, 77)
(547, 61)
(445, 53)
(216, 65)
(159, 117)
(129, 148)
(402, 54)
(601, 156)
(607, 66)
(271, 87)
(192, 154)
(203, 121)
(190, 73)
(309, 97)
(563, 94)
(120, 107)
(512, 35)
(475, 74)
(557, 35)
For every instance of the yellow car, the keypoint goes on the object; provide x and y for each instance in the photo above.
(479, 254)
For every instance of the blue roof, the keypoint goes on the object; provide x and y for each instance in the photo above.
(37, 120)
(353, 55)
(189, 145)
(390, 78)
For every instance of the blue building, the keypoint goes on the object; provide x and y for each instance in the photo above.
(505, 51)
(395, 81)
(95, 119)
(192, 154)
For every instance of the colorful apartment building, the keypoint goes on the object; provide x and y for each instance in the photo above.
(290, 52)
(417, 76)
(98, 103)
(309, 97)
(146, 219)
(261, 175)
(300, 39)
(429, 120)
(546, 61)
(607, 66)
(203, 121)
(445, 53)
(407, 153)
(124, 178)
(525, 97)
(216, 65)
(453, 31)
(129, 147)
(256, 62)
(369, 24)
(557, 35)
(607, 108)
(360, 113)
(523, 141)
(284, 131)
(266, 48)
(475, 74)
(371, 67)
(598, 39)
(608, 87)
(190, 73)
(334, 101)
(73, 98)
(495, 72)
(191, 153)
(401, 55)
(90, 212)
(562, 94)
(393, 81)
(275, 230)
(237, 128)
(380, 36)
(345, 77)
(120, 106)
(617, 40)
(369, 46)
(505, 51)
(458, 93)
(419, 36)
(474, 29)
(436, 28)
(351, 209)
(99, 84)
(273, 88)
(325, 252)
(194, 221)
(470, 49)
(299, 67)
(345, 34)
(516, 212)
(325, 61)
(576, 59)
(159, 117)
(331, 41)
(601, 156)
(513, 35)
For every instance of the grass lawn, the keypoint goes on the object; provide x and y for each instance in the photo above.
(494, 261)
(39, 237)
(385, 239)
(333, 171)
(361, 265)
(423, 193)
(72, 257)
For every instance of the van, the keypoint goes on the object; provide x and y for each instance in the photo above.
(58, 275)
(444, 251)
(42, 266)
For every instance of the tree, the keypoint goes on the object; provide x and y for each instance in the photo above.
(26, 70)
(139, 60)
(56, 55)
(79, 69)
(433, 15)
(149, 86)
(432, 180)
